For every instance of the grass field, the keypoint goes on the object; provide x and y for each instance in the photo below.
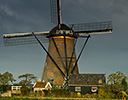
(21, 99)
(44, 98)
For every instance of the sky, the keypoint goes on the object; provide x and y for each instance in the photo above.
(106, 53)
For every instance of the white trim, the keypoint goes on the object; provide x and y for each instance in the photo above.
(23, 34)
(34, 84)
(104, 32)
(48, 84)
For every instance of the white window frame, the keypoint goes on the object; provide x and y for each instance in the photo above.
(78, 89)
(94, 89)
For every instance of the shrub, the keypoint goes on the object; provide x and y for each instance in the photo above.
(40, 93)
(88, 95)
(60, 93)
(101, 92)
(79, 94)
(94, 95)
(25, 90)
(72, 94)
(47, 93)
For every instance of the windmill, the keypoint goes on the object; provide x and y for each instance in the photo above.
(61, 60)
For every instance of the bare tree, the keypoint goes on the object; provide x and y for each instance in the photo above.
(27, 79)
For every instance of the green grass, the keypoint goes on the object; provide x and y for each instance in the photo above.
(12, 98)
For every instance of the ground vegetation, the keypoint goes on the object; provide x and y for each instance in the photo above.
(115, 88)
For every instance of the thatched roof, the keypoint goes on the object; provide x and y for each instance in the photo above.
(87, 79)
(39, 85)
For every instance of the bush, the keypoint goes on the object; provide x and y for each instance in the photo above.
(72, 94)
(25, 90)
(95, 95)
(126, 91)
(60, 93)
(103, 93)
(47, 93)
(88, 95)
(39, 93)
(78, 94)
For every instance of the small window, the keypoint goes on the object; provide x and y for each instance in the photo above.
(14, 88)
(78, 89)
(100, 81)
(18, 88)
(94, 89)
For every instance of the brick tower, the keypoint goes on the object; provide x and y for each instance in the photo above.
(50, 69)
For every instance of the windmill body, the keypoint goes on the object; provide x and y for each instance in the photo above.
(56, 47)
(50, 70)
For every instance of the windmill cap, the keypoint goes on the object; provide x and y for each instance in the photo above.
(62, 27)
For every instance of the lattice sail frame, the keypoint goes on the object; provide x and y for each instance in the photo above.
(54, 12)
(24, 38)
(92, 28)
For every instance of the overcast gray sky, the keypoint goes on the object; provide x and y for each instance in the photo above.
(106, 53)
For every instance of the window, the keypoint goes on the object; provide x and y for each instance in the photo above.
(78, 89)
(14, 88)
(94, 89)
(100, 81)
(18, 88)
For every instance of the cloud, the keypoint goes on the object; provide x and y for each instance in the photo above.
(8, 11)
(22, 16)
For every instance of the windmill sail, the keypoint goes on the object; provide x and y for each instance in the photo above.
(92, 28)
(24, 38)
(55, 6)
(54, 12)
